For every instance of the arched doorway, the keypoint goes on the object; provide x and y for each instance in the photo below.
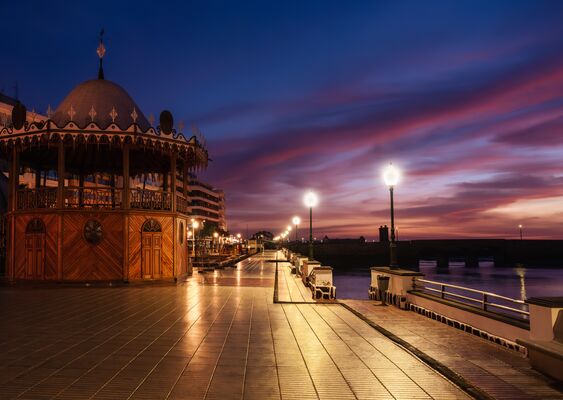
(151, 249)
(35, 249)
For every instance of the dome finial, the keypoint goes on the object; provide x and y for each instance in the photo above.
(101, 52)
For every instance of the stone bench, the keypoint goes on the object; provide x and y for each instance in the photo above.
(299, 261)
(320, 281)
(546, 356)
(306, 269)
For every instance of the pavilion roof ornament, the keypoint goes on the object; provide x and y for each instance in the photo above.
(134, 115)
(151, 119)
(33, 114)
(49, 112)
(181, 126)
(92, 113)
(113, 114)
(101, 50)
(71, 113)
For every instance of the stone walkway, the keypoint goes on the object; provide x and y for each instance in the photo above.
(501, 373)
(290, 287)
(218, 335)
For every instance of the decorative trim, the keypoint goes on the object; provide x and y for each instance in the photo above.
(151, 225)
(93, 232)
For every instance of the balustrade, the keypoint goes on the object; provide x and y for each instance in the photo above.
(102, 198)
(150, 199)
(182, 204)
(28, 199)
(99, 198)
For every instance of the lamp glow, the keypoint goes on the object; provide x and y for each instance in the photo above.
(311, 199)
(391, 175)
(195, 224)
(296, 220)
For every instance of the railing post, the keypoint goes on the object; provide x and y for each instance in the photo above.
(484, 301)
(173, 182)
(442, 291)
(61, 174)
(15, 181)
(125, 196)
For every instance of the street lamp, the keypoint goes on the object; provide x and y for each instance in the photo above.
(391, 175)
(296, 221)
(195, 225)
(310, 200)
(215, 241)
(520, 228)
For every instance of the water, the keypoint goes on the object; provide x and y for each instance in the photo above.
(517, 283)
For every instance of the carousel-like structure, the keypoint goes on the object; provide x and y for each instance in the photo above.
(96, 192)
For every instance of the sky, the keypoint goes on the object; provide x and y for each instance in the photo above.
(466, 97)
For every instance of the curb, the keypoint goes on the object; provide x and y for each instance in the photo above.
(448, 373)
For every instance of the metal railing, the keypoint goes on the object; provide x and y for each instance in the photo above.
(485, 301)
(29, 199)
(98, 198)
(151, 199)
(182, 204)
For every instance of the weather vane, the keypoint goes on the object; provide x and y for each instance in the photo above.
(101, 50)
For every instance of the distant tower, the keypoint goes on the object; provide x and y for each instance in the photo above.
(384, 234)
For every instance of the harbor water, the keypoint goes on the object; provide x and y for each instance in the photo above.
(518, 283)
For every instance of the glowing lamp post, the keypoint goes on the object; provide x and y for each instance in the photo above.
(520, 229)
(296, 221)
(288, 230)
(195, 225)
(391, 176)
(311, 200)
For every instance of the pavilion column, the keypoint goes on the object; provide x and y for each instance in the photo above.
(126, 205)
(12, 206)
(185, 179)
(37, 178)
(14, 180)
(60, 204)
(126, 180)
(173, 180)
(61, 175)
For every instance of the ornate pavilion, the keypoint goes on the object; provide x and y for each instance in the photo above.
(118, 209)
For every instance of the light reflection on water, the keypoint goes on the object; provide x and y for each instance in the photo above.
(517, 283)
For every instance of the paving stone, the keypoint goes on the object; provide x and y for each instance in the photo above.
(215, 336)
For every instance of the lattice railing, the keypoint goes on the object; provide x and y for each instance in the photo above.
(28, 199)
(100, 198)
(150, 199)
(182, 204)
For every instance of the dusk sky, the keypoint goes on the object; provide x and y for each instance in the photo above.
(466, 97)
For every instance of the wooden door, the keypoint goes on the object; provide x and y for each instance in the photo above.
(35, 250)
(35, 256)
(151, 254)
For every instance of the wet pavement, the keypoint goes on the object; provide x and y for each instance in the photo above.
(217, 335)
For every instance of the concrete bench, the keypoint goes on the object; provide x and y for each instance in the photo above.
(546, 356)
(320, 281)
(306, 269)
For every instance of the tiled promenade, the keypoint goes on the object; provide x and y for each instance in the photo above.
(501, 373)
(217, 336)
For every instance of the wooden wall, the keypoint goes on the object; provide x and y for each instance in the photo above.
(136, 222)
(181, 248)
(51, 234)
(108, 260)
(83, 261)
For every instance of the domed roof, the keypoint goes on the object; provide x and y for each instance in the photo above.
(94, 100)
